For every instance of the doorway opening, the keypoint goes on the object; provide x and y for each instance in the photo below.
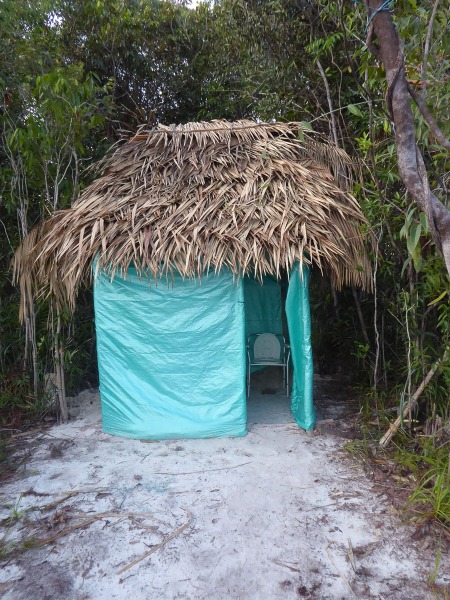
(265, 312)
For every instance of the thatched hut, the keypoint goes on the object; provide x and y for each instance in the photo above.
(189, 231)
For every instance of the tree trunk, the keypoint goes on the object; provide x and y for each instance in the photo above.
(411, 165)
(59, 370)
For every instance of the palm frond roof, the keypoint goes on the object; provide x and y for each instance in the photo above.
(253, 197)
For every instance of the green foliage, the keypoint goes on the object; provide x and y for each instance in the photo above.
(432, 497)
(428, 462)
(52, 124)
(46, 142)
(14, 397)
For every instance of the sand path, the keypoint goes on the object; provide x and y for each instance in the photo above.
(276, 514)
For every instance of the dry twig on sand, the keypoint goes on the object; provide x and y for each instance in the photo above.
(88, 521)
(167, 539)
(205, 470)
(339, 572)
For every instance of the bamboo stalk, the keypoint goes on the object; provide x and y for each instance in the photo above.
(412, 402)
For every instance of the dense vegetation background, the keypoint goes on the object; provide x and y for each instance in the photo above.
(78, 74)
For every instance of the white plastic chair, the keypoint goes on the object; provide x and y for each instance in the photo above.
(268, 350)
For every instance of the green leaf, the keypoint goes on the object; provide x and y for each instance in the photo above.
(418, 263)
(410, 245)
(438, 299)
(415, 233)
(404, 230)
(354, 110)
(405, 265)
(424, 222)
(306, 125)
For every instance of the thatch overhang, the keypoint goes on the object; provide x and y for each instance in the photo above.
(255, 198)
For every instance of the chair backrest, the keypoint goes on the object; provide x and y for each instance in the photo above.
(267, 347)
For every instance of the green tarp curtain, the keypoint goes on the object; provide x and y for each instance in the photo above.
(171, 355)
(299, 325)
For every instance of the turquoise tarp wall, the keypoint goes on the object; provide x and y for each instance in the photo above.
(299, 325)
(171, 357)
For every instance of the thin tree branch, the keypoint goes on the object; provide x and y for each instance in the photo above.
(434, 127)
(427, 50)
(375, 320)
(341, 108)
(330, 102)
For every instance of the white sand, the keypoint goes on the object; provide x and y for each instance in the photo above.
(270, 515)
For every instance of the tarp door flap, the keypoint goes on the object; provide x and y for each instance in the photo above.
(299, 325)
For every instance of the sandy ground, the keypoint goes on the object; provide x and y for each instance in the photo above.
(276, 514)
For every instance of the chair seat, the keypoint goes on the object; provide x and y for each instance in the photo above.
(267, 362)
